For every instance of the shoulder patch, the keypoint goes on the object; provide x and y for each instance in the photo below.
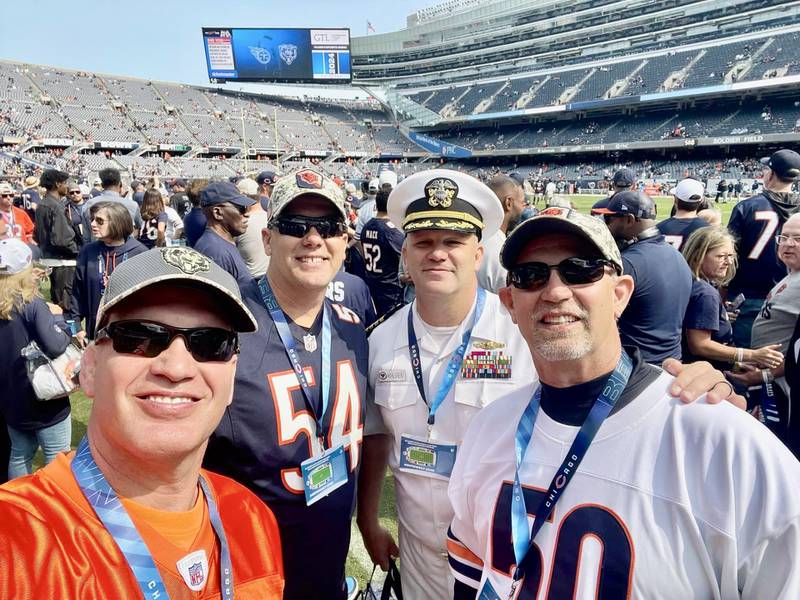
(384, 317)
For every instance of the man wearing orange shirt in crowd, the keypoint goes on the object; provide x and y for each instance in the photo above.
(19, 224)
(131, 513)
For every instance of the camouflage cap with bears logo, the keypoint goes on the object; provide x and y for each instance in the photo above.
(305, 182)
(184, 267)
(561, 220)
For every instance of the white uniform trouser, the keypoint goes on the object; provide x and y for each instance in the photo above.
(424, 571)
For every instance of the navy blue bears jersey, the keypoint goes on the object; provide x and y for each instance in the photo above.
(382, 243)
(754, 223)
(267, 431)
(676, 231)
(352, 292)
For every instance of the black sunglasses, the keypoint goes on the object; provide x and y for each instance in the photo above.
(573, 271)
(240, 209)
(149, 339)
(6, 195)
(299, 226)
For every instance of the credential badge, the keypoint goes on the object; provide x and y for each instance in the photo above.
(187, 260)
(441, 192)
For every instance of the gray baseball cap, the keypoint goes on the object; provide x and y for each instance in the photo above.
(180, 265)
(561, 220)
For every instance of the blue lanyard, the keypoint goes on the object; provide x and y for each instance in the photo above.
(453, 367)
(769, 409)
(521, 536)
(111, 512)
(287, 338)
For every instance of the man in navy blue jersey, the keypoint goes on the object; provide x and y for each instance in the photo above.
(382, 244)
(688, 196)
(293, 432)
(350, 290)
(754, 223)
(653, 319)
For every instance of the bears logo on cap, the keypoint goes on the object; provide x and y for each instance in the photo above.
(557, 211)
(185, 259)
(441, 192)
(308, 180)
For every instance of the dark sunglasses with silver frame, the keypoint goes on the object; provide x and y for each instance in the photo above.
(298, 226)
(573, 271)
(149, 339)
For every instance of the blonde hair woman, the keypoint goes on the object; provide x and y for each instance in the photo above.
(707, 332)
(25, 317)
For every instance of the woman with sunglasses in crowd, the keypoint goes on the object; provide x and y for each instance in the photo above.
(112, 226)
(25, 318)
(707, 332)
(154, 220)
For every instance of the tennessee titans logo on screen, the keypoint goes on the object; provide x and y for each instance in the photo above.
(288, 53)
(262, 55)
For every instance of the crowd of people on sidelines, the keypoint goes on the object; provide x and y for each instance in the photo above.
(298, 336)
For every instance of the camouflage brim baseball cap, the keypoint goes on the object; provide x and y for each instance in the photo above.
(302, 183)
(561, 220)
(185, 267)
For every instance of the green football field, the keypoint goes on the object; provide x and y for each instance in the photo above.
(358, 562)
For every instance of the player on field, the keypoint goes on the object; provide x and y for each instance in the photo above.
(632, 494)
(688, 196)
(294, 430)
(131, 514)
(754, 223)
(381, 244)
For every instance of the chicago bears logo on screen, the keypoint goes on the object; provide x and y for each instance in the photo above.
(288, 53)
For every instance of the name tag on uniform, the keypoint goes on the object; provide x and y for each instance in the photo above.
(324, 473)
(429, 459)
(487, 592)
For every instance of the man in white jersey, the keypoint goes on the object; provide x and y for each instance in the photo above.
(632, 494)
(446, 215)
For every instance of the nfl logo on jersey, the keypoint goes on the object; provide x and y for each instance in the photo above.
(194, 569)
(196, 574)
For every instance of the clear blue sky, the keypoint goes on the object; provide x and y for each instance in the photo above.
(160, 39)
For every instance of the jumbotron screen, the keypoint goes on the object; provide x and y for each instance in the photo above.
(277, 55)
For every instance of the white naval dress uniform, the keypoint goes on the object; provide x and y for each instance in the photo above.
(422, 502)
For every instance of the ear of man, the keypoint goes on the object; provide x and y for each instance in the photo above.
(88, 368)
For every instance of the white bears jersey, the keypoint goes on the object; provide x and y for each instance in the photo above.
(671, 501)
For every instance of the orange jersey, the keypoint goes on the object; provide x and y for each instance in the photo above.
(20, 224)
(52, 545)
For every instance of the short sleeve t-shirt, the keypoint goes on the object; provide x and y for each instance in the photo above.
(225, 254)
(653, 319)
(775, 323)
(148, 232)
(676, 231)
(706, 312)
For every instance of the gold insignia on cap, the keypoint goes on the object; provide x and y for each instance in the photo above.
(187, 260)
(489, 345)
(441, 192)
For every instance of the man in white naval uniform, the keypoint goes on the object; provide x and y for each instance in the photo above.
(445, 214)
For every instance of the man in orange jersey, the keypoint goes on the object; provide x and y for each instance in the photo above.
(131, 513)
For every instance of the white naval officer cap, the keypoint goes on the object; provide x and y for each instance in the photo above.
(445, 199)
